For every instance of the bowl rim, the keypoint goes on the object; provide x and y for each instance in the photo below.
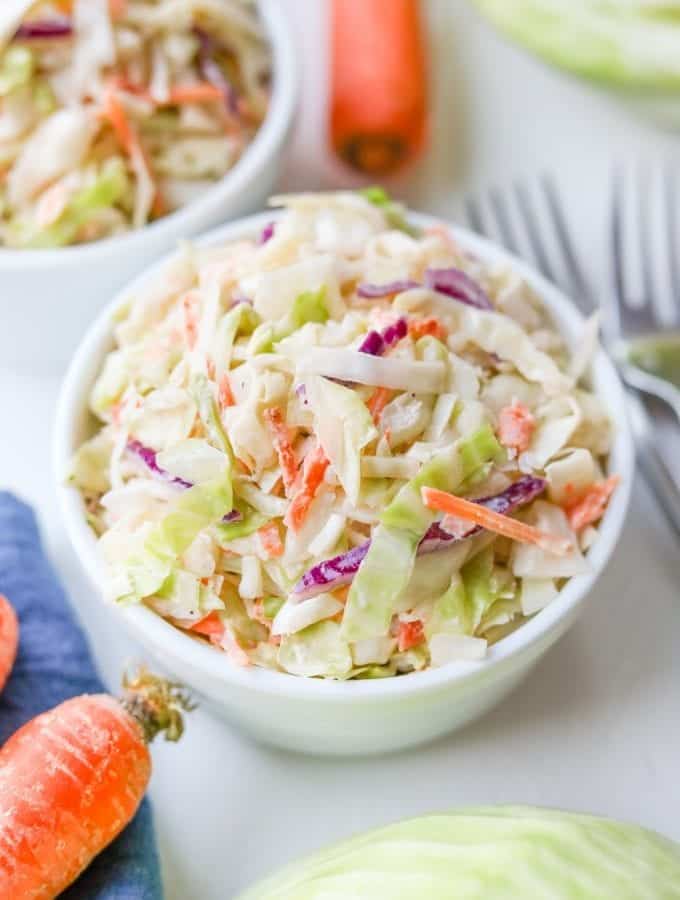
(266, 143)
(150, 629)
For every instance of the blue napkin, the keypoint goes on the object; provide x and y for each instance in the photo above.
(53, 664)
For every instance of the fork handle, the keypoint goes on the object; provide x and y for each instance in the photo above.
(652, 464)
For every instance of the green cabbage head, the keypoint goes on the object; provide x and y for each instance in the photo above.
(502, 853)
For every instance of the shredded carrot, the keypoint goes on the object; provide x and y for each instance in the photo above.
(114, 111)
(284, 449)
(226, 395)
(592, 505)
(271, 539)
(313, 471)
(233, 649)
(341, 594)
(117, 9)
(516, 426)
(420, 327)
(493, 521)
(199, 92)
(442, 231)
(377, 402)
(189, 302)
(410, 634)
(223, 636)
(211, 626)
(203, 92)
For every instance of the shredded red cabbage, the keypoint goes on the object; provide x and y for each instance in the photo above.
(373, 291)
(44, 28)
(212, 71)
(267, 233)
(375, 343)
(395, 332)
(332, 573)
(457, 284)
(453, 282)
(340, 570)
(148, 457)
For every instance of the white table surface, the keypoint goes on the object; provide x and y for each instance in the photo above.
(597, 727)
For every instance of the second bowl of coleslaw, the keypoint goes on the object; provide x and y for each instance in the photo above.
(122, 133)
(344, 471)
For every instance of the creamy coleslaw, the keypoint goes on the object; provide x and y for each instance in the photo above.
(116, 112)
(344, 448)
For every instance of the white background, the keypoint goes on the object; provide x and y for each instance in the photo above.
(597, 727)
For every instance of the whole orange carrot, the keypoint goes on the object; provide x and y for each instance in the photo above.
(72, 778)
(378, 90)
(9, 638)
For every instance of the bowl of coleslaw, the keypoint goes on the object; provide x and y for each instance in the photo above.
(344, 470)
(124, 128)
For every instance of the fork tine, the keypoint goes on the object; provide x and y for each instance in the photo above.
(643, 216)
(474, 215)
(622, 318)
(617, 243)
(503, 220)
(670, 197)
(530, 220)
(580, 290)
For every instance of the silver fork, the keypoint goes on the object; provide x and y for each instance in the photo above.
(496, 218)
(635, 331)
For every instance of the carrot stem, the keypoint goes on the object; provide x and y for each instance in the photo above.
(156, 704)
(493, 521)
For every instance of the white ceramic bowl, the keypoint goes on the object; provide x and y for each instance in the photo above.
(49, 297)
(354, 717)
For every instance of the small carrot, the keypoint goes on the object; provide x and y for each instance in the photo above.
(493, 521)
(284, 449)
(377, 402)
(592, 505)
(420, 327)
(516, 425)
(72, 778)
(410, 634)
(313, 471)
(225, 393)
(378, 109)
(9, 638)
(270, 539)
